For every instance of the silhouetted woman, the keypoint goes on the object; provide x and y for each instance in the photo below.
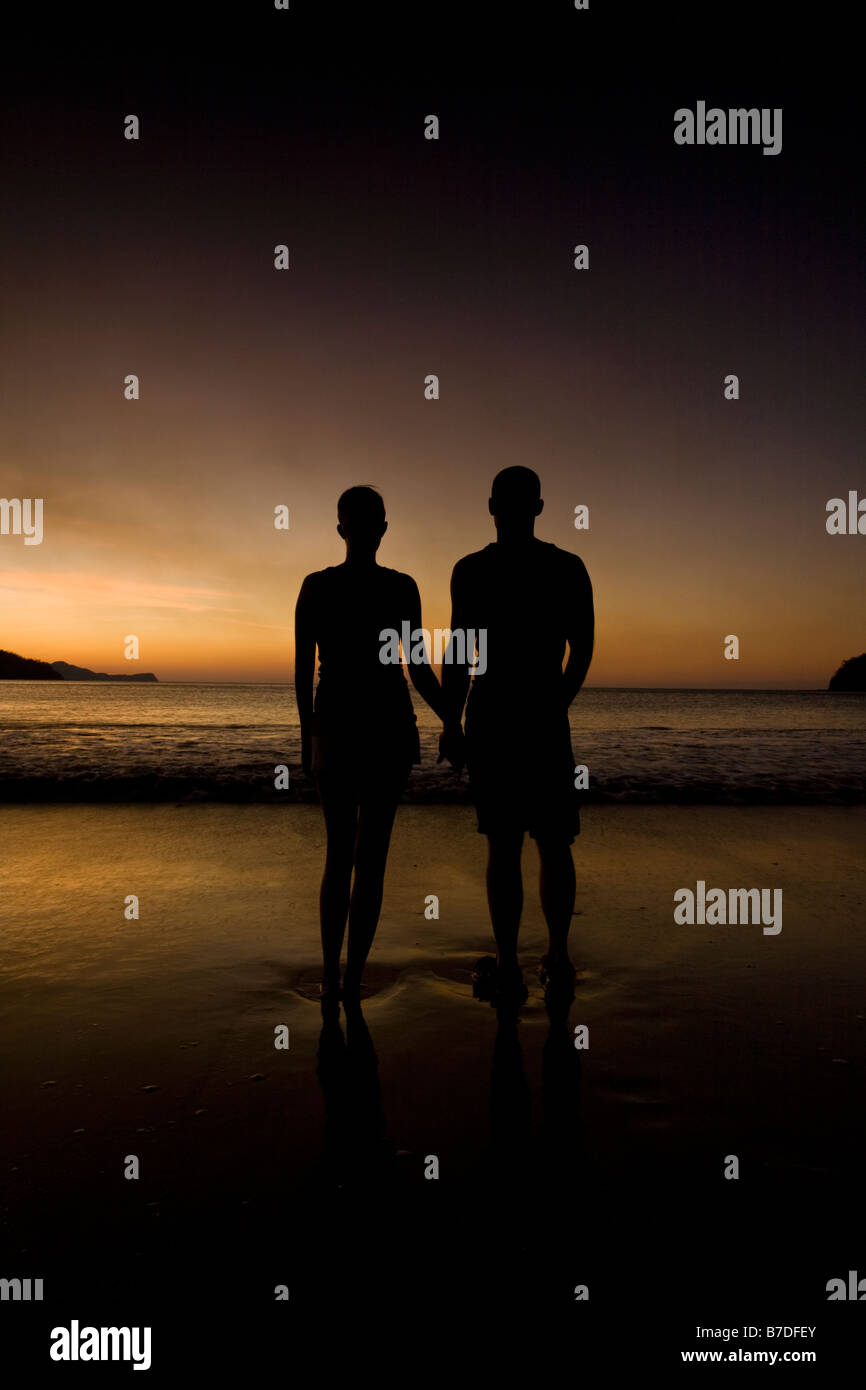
(360, 737)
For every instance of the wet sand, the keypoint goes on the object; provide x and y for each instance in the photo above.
(155, 1038)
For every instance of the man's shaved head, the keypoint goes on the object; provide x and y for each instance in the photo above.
(516, 492)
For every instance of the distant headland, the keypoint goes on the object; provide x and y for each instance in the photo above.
(851, 674)
(83, 673)
(24, 668)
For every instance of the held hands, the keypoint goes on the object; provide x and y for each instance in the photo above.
(452, 746)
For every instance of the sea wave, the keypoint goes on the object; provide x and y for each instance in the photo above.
(425, 788)
(191, 743)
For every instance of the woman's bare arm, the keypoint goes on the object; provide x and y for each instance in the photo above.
(421, 673)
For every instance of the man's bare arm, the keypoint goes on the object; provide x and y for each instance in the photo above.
(581, 634)
(305, 664)
(455, 675)
(455, 682)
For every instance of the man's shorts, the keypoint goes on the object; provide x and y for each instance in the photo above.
(522, 777)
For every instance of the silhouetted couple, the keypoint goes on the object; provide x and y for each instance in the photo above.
(359, 736)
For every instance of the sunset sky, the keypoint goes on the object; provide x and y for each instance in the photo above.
(410, 257)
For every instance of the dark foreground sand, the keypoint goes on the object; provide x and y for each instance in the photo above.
(305, 1167)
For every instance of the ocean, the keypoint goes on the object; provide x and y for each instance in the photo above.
(186, 742)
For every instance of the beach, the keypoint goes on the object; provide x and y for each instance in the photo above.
(154, 1037)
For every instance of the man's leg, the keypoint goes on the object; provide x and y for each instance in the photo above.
(505, 893)
(557, 886)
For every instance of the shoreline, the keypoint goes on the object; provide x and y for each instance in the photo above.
(228, 904)
(425, 789)
(155, 1037)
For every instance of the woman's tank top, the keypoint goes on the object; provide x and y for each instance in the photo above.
(359, 696)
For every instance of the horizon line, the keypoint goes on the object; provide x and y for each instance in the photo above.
(714, 689)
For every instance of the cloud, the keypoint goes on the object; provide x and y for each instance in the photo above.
(105, 590)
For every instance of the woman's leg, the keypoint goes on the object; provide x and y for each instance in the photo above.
(375, 822)
(341, 823)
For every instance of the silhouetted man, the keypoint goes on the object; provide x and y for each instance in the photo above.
(533, 599)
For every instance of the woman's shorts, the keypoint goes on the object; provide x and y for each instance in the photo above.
(364, 765)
